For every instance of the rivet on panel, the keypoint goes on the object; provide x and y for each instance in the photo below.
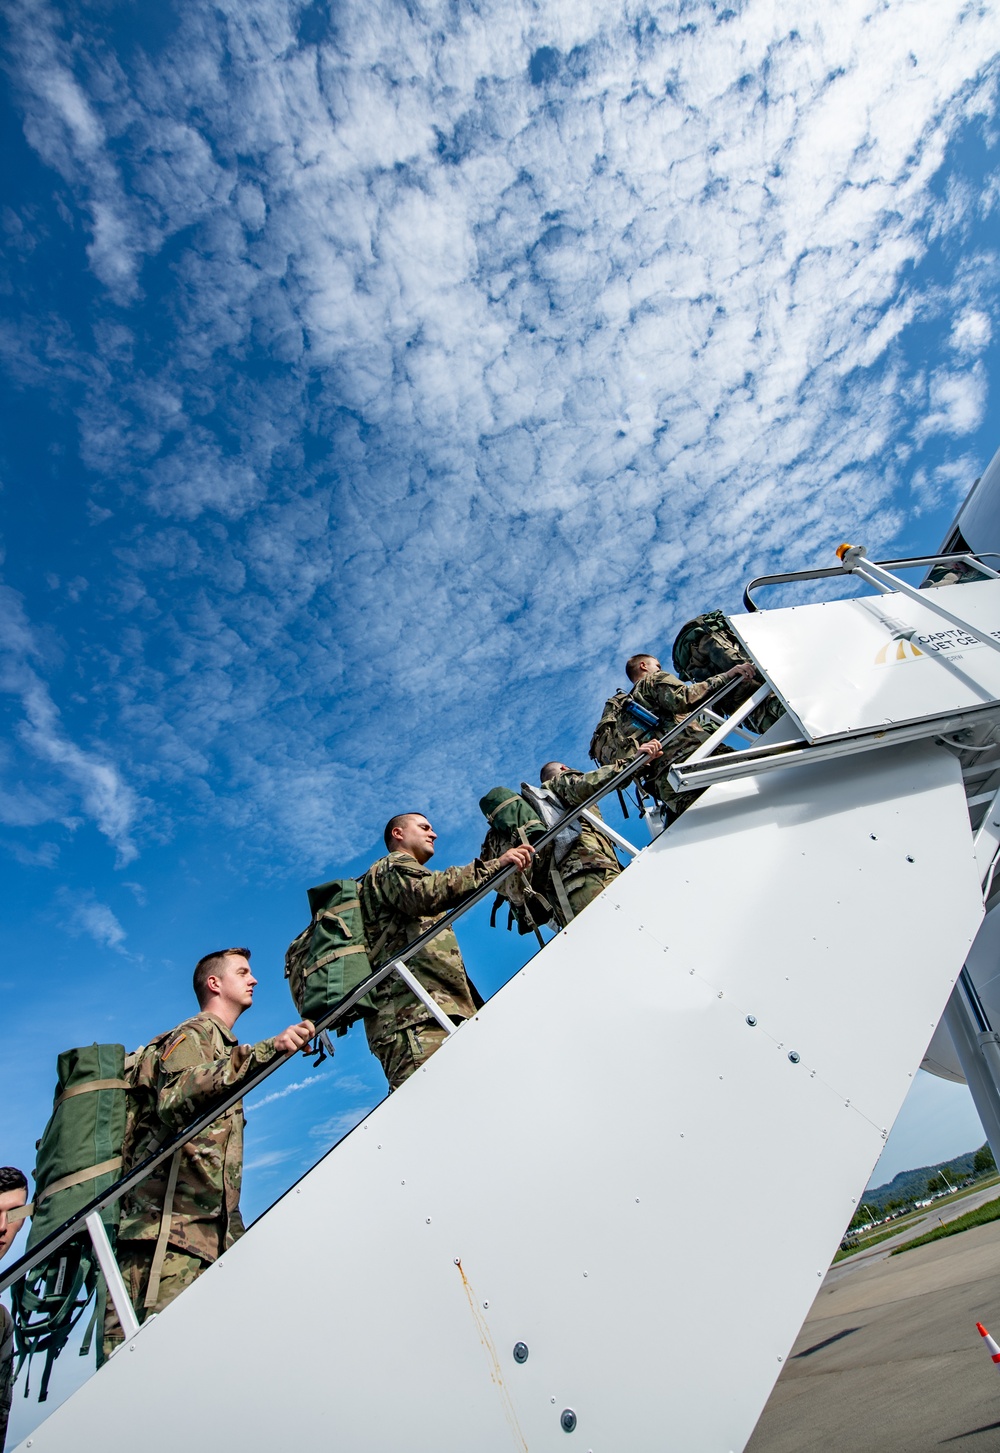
(794, 1056)
(909, 859)
(752, 1020)
(428, 1220)
(520, 1351)
(567, 1420)
(486, 1306)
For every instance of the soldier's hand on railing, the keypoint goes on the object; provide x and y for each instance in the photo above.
(650, 750)
(518, 858)
(295, 1037)
(746, 669)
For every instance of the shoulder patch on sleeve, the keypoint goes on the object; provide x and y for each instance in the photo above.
(178, 1041)
(405, 864)
(184, 1050)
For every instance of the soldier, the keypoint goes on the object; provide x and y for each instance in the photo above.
(707, 646)
(400, 897)
(670, 701)
(584, 863)
(959, 572)
(13, 1195)
(186, 1213)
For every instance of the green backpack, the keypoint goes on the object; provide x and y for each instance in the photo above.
(706, 646)
(329, 958)
(619, 732)
(79, 1156)
(512, 822)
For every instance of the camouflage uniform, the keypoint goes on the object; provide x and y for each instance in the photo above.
(6, 1370)
(959, 572)
(176, 1079)
(710, 651)
(399, 899)
(671, 700)
(590, 864)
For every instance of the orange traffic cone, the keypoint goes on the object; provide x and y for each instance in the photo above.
(991, 1345)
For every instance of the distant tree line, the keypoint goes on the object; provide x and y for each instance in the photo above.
(910, 1186)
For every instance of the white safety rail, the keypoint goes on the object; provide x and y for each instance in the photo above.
(602, 1211)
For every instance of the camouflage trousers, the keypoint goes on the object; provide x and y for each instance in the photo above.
(403, 1054)
(135, 1258)
(585, 887)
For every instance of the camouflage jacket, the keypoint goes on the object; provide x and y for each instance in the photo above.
(176, 1079)
(591, 852)
(399, 899)
(672, 700)
(957, 573)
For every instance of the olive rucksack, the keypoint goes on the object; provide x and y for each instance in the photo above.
(513, 822)
(707, 646)
(699, 632)
(329, 958)
(623, 727)
(79, 1156)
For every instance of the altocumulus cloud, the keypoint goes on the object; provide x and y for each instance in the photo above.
(82, 778)
(498, 337)
(85, 914)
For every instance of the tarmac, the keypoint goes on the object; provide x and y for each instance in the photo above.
(889, 1359)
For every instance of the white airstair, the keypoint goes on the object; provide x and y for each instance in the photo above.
(599, 1216)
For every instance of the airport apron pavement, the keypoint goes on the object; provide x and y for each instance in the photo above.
(889, 1359)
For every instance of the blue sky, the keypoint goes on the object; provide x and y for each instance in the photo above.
(375, 379)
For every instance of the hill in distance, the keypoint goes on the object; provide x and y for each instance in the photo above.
(911, 1185)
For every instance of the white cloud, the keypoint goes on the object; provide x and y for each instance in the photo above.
(338, 1125)
(86, 915)
(500, 341)
(96, 785)
(287, 1090)
(971, 333)
(267, 1159)
(957, 403)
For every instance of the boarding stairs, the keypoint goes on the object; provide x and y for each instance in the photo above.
(598, 1217)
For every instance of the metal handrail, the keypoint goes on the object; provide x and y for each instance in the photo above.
(828, 571)
(128, 1182)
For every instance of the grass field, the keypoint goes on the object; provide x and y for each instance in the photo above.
(866, 1242)
(980, 1217)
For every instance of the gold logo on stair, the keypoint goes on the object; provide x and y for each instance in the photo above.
(901, 650)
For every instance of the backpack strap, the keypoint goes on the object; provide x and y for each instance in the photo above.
(91, 1085)
(500, 806)
(91, 1172)
(561, 895)
(163, 1239)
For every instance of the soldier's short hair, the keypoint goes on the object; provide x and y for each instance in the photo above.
(394, 822)
(550, 770)
(207, 966)
(633, 663)
(12, 1179)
